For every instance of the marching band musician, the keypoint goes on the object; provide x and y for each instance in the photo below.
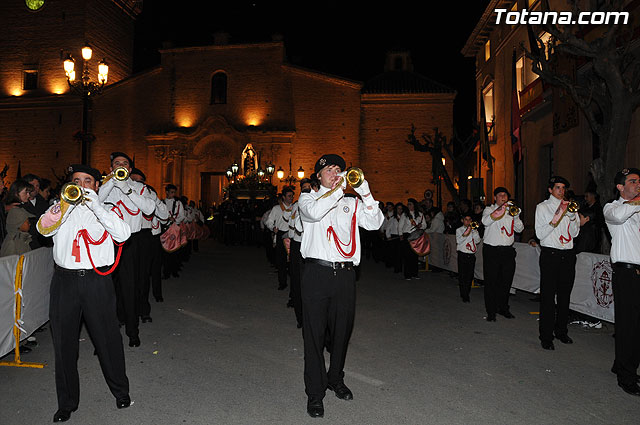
(161, 214)
(467, 240)
(83, 253)
(278, 223)
(556, 226)
(176, 211)
(623, 220)
(498, 254)
(410, 224)
(331, 249)
(128, 198)
(295, 259)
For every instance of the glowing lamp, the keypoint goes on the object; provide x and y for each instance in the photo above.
(69, 65)
(444, 161)
(469, 177)
(260, 173)
(229, 173)
(301, 172)
(280, 173)
(235, 168)
(86, 52)
(103, 72)
(270, 169)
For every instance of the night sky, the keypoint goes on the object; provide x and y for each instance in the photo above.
(348, 38)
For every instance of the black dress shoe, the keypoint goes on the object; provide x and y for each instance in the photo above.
(565, 339)
(123, 403)
(632, 389)
(315, 408)
(62, 415)
(507, 314)
(134, 341)
(548, 345)
(491, 317)
(615, 372)
(146, 319)
(342, 391)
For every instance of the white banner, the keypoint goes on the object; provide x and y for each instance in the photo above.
(592, 293)
(7, 302)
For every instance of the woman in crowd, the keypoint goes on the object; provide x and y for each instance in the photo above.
(17, 239)
(410, 226)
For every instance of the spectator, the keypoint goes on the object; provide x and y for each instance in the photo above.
(589, 238)
(17, 239)
(45, 190)
(451, 219)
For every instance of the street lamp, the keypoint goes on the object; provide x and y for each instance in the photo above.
(85, 88)
(270, 170)
(234, 169)
(300, 173)
(229, 174)
(280, 173)
(260, 174)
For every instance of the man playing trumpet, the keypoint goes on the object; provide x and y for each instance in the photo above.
(331, 248)
(83, 235)
(467, 240)
(557, 224)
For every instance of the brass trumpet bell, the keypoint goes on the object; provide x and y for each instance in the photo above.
(354, 177)
(72, 194)
(513, 210)
(119, 173)
(474, 225)
(573, 206)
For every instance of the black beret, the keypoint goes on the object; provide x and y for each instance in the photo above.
(329, 159)
(170, 186)
(81, 168)
(138, 172)
(621, 176)
(558, 179)
(501, 189)
(114, 155)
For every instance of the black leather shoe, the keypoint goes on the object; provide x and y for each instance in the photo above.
(565, 339)
(146, 319)
(632, 389)
(123, 403)
(491, 317)
(159, 299)
(548, 345)
(62, 415)
(315, 408)
(342, 391)
(134, 341)
(507, 314)
(615, 372)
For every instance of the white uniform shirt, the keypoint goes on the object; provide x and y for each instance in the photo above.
(190, 214)
(405, 224)
(335, 211)
(295, 224)
(500, 232)
(437, 224)
(160, 215)
(623, 221)
(561, 236)
(279, 217)
(176, 212)
(469, 243)
(67, 240)
(129, 207)
(391, 227)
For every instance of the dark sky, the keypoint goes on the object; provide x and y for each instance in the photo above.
(347, 38)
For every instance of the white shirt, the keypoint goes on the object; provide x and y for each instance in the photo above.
(129, 207)
(561, 236)
(160, 214)
(176, 212)
(623, 222)
(67, 235)
(279, 217)
(437, 224)
(390, 226)
(295, 224)
(500, 232)
(410, 223)
(469, 243)
(336, 212)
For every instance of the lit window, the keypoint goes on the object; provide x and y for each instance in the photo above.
(219, 88)
(30, 79)
(487, 50)
(487, 97)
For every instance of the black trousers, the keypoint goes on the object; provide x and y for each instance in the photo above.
(295, 268)
(156, 266)
(499, 264)
(126, 279)
(146, 255)
(409, 260)
(328, 308)
(466, 267)
(281, 261)
(626, 297)
(90, 297)
(557, 273)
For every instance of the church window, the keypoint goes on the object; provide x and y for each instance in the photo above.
(219, 88)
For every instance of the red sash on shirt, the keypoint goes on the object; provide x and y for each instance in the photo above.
(504, 229)
(564, 240)
(75, 251)
(352, 238)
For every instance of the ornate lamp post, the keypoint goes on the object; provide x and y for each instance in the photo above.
(290, 180)
(270, 170)
(85, 88)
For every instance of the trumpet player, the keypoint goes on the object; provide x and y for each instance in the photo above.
(467, 240)
(81, 288)
(623, 220)
(501, 221)
(557, 223)
(331, 248)
(128, 198)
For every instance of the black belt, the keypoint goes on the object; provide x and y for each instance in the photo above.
(627, 265)
(562, 251)
(334, 265)
(80, 272)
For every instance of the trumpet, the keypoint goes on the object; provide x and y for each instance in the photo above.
(73, 194)
(474, 225)
(119, 173)
(573, 206)
(513, 209)
(354, 177)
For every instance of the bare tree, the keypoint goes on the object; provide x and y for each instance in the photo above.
(608, 88)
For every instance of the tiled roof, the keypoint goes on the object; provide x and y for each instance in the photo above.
(403, 82)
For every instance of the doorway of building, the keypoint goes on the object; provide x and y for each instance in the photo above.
(211, 185)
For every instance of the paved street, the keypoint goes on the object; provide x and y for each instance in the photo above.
(224, 349)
